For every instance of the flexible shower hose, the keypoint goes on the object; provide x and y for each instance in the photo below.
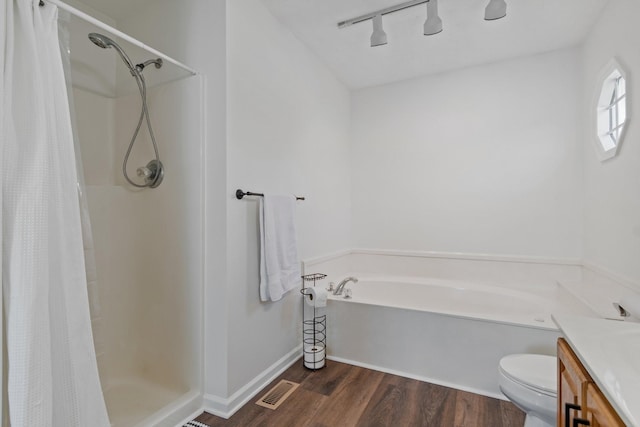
(144, 114)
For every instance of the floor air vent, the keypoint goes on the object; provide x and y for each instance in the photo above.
(277, 394)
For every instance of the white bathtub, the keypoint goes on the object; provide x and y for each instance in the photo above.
(444, 331)
(468, 300)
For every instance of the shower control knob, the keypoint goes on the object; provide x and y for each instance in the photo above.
(152, 174)
(144, 172)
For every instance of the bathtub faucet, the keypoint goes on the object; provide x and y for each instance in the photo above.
(341, 285)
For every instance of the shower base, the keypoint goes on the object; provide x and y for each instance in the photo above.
(132, 400)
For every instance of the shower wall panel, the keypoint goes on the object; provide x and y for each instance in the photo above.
(170, 232)
(148, 243)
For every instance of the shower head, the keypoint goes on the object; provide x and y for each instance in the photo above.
(105, 42)
(101, 40)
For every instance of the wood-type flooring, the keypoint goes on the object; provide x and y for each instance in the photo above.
(342, 395)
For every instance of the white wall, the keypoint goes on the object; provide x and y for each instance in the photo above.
(612, 188)
(288, 132)
(481, 160)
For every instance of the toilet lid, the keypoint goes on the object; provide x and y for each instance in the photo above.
(536, 371)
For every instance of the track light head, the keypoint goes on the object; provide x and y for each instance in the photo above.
(433, 24)
(378, 37)
(496, 9)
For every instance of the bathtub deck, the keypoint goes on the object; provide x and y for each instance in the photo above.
(345, 395)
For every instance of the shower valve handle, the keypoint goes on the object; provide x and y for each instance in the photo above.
(152, 173)
(144, 172)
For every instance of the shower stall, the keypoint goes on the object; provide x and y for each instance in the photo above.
(145, 217)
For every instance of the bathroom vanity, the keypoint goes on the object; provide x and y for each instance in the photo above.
(579, 398)
(598, 373)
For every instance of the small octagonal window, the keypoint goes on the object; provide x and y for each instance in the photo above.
(611, 110)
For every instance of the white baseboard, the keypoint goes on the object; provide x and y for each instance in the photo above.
(226, 407)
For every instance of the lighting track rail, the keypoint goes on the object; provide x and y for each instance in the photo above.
(386, 11)
(495, 9)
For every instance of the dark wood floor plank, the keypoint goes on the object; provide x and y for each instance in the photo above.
(348, 401)
(512, 416)
(348, 396)
(467, 411)
(299, 409)
(387, 406)
(406, 402)
(436, 405)
(492, 415)
(325, 380)
(473, 410)
(296, 373)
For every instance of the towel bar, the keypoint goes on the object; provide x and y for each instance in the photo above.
(240, 194)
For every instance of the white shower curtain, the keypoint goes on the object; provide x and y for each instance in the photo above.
(52, 372)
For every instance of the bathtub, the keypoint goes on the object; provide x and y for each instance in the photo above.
(447, 332)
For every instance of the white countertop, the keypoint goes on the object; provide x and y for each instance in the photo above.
(610, 352)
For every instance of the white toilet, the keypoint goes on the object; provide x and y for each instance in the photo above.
(530, 382)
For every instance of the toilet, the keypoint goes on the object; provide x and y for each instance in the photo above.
(530, 382)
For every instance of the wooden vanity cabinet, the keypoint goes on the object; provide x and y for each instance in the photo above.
(580, 401)
(599, 411)
(572, 381)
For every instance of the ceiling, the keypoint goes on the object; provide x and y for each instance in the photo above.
(530, 27)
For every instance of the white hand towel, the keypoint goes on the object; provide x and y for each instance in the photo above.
(279, 264)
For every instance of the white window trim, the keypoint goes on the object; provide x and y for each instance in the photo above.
(606, 146)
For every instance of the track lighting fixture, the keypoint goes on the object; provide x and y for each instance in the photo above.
(433, 24)
(495, 9)
(378, 37)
